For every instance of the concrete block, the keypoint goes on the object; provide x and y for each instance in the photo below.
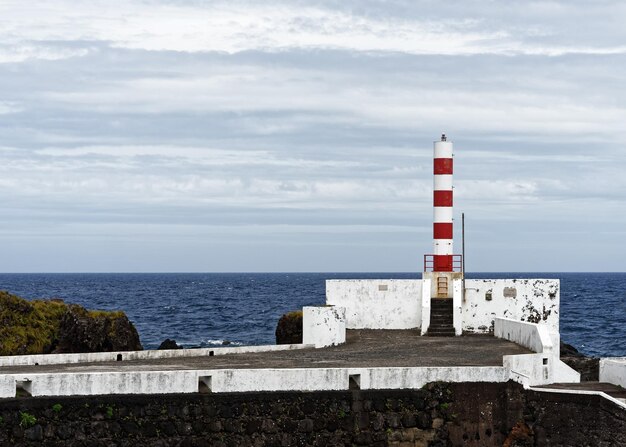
(323, 325)
(613, 370)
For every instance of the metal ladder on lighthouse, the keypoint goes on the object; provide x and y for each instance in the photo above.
(442, 287)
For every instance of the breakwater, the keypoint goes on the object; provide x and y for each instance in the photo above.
(440, 414)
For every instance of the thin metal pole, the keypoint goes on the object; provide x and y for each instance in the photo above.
(463, 250)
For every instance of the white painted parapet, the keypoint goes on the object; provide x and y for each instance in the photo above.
(415, 378)
(425, 306)
(243, 380)
(95, 383)
(613, 370)
(323, 325)
(531, 300)
(457, 306)
(7, 386)
(532, 336)
(542, 368)
(94, 357)
(377, 303)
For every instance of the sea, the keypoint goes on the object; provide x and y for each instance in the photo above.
(213, 309)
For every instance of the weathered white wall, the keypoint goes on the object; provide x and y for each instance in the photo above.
(93, 357)
(457, 306)
(323, 325)
(300, 379)
(414, 378)
(534, 369)
(613, 370)
(377, 303)
(530, 335)
(93, 383)
(425, 306)
(534, 300)
(245, 380)
(7, 386)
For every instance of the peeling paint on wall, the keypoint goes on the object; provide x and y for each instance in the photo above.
(531, 300)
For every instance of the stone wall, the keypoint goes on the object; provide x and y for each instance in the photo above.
(469, 414)
(575, 420)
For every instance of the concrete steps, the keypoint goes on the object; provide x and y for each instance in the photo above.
(441, 318)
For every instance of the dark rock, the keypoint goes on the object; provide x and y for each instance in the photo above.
(409, 420)
(289, 329)
(306, 425)
(568, 350)
(34, 433)
(520, 436)
(52, 326)
(169, 344)
(588, 367)
(93, 331)
(423, 420)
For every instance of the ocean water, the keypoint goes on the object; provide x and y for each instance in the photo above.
(206, 309)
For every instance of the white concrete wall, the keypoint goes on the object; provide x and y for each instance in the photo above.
(95, 383)
(613, 370)
(377, 303)
(457, 306)
(425, 306)
(94, 357)
(414, 378)
(534, 369)
(323, 325)
(531, 300)
(530, 335)
(7, 386)
(245, 380)
(300, 379)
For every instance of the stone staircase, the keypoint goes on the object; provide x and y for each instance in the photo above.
(441, 319)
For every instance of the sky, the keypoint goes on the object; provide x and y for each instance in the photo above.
(274, 136)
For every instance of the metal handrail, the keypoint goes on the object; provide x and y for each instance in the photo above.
(457, 263)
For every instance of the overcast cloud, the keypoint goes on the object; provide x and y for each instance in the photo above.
(297, 135)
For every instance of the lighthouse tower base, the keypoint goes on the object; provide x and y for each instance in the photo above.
(441, 283)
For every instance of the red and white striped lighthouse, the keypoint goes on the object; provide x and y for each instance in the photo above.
(442, 201)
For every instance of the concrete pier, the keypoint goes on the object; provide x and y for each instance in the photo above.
(370, 359)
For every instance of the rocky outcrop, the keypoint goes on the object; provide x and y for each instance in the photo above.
(289, 329)
(588, 367)
(169, 344)
(52, 326)
(81, 330)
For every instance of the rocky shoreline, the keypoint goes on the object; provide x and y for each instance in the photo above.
(55, 327)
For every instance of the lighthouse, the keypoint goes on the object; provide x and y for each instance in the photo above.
(442, 265)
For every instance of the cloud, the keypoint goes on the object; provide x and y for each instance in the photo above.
(8, 107)
(304, 129)
(236, 26)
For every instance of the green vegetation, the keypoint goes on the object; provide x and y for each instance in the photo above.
(28, 327)
(34, 327)
(57, 407)
(109, 412)
(27, 419)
